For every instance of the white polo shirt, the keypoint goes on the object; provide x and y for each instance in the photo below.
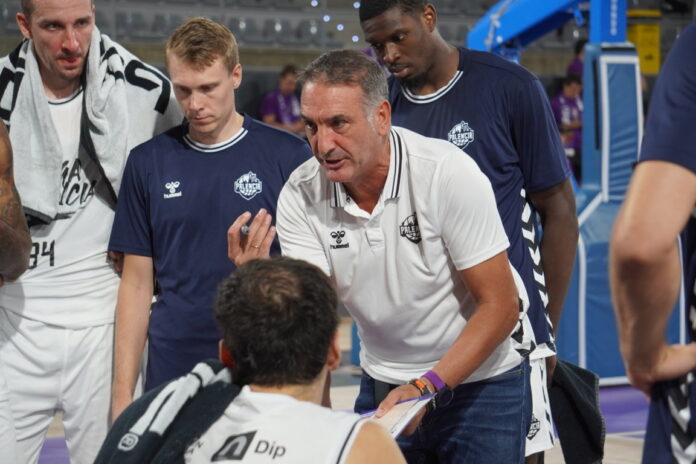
(396, 269)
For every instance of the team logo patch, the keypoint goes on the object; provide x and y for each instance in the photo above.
(534, 428)
(248, 185)
(409, 229)
(337, 237)
(234, 448)
(461, 135)
(128, 442)
(172, 189)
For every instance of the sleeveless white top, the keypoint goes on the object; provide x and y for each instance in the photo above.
(267, 427)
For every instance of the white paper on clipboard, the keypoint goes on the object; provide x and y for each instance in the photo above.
(398, 417)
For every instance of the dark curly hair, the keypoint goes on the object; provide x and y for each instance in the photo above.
(278, 318)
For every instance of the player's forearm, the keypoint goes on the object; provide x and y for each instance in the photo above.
(644, 289)
(132, 319)
(485, 330)
(556, 206)
(15, 241)
(374, 445)
(15, 245)
(558, 247)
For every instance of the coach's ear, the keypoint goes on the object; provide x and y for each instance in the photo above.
(383, 118)
(333, 358)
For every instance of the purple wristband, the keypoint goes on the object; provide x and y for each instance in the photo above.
(435, 380)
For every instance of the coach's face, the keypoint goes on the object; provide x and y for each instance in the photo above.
(403, 41)
(346, 140)
(61, 31)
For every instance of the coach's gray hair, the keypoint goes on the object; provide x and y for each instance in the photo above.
(349, 67)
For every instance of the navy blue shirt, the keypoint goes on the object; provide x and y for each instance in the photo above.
(499, 114)
(177, 201)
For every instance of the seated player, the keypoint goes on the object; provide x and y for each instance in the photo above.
(278, 319)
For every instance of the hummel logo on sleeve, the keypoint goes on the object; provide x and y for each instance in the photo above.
(171, 187)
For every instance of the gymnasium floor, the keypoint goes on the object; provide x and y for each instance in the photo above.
(624, 408)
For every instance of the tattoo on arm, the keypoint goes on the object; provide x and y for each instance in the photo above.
(11, 208)
(15, 241)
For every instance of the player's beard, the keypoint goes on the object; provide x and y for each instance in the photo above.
(416, 82)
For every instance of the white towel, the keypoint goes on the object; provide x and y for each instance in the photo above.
(127, 102)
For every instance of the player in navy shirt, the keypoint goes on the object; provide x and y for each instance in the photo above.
(179, 194)
(645, 260)
(498, 113)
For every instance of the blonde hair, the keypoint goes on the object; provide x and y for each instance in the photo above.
(200, 41)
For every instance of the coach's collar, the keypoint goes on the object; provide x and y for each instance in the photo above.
(392, 186)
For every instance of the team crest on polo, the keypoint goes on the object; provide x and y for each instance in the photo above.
(337, 239)
(461, 135)
(248, 185)
(409, 229)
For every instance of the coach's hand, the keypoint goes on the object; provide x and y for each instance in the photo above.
(402, 393)
(256, 243)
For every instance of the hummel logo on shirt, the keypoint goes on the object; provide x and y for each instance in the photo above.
(171, 187)
(337, 237)
(409, 229)
(461, 135)
(248, 185)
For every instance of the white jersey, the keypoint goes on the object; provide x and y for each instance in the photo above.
(397, 269)
(69, 282)
(266, 427)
